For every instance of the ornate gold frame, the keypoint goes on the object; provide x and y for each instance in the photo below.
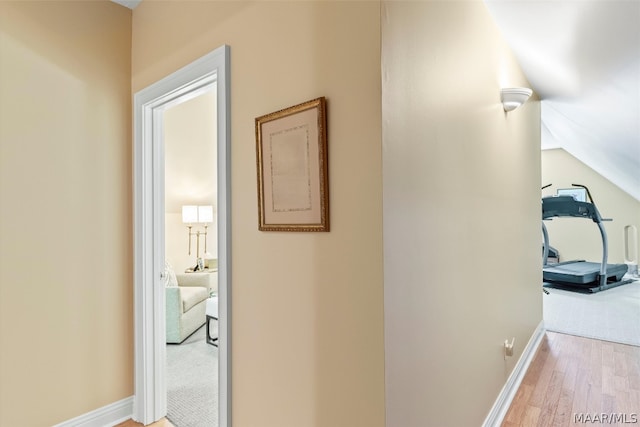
(292, 163)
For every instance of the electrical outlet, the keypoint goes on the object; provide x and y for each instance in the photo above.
(508, 347)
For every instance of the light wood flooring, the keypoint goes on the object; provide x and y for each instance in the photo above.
(574, 375)
(130, 423)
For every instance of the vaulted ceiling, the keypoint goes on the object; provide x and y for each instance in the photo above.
(582, 57)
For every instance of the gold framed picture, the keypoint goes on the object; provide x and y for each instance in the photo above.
(293, 184)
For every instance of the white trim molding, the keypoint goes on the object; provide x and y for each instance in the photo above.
(508, 392)
(107, 416)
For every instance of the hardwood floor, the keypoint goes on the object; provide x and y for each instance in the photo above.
(130, 423)
(572, 377)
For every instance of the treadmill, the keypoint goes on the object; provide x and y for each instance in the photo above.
(579, 275)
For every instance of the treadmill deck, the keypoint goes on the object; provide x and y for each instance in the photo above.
(580, 272)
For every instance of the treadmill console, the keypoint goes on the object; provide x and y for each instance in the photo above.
(568, 206)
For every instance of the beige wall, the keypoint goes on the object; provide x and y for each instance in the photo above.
(461, 213)
(307, 307)
(579, 239)
(66, 295)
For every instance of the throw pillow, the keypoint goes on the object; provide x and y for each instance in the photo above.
(171, 279)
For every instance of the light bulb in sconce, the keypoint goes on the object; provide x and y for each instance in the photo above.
(513, 97)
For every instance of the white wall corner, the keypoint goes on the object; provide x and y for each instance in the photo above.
(508, 392)
(107, 416)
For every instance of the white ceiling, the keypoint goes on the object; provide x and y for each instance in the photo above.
(582, 57)
(131, 4)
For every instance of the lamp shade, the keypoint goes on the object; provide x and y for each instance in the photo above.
(189, 214)
(205, 213)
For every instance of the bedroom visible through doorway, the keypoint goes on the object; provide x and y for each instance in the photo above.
(191, 252)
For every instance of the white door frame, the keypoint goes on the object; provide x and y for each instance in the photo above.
(150, 400)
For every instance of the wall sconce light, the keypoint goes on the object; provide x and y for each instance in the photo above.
(513, 97)
(197, 215)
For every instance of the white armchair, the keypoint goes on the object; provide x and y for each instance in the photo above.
(186, 304)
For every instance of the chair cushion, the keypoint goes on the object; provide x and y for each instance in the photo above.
(191, 296)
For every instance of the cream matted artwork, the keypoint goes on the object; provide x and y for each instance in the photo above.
(293, 190)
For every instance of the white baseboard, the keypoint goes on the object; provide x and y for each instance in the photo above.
(508, 392)
(107, 416)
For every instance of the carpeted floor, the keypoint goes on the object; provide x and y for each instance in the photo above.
(611, 315)
(192, 382)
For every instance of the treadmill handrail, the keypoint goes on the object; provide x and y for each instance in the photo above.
(605, 255)
(545, 251)
(588, 192)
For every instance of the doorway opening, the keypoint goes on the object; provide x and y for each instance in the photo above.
(191, 254)
(212, 70)
(590, 307)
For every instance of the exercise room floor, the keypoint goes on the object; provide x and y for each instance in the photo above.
(611, 315)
